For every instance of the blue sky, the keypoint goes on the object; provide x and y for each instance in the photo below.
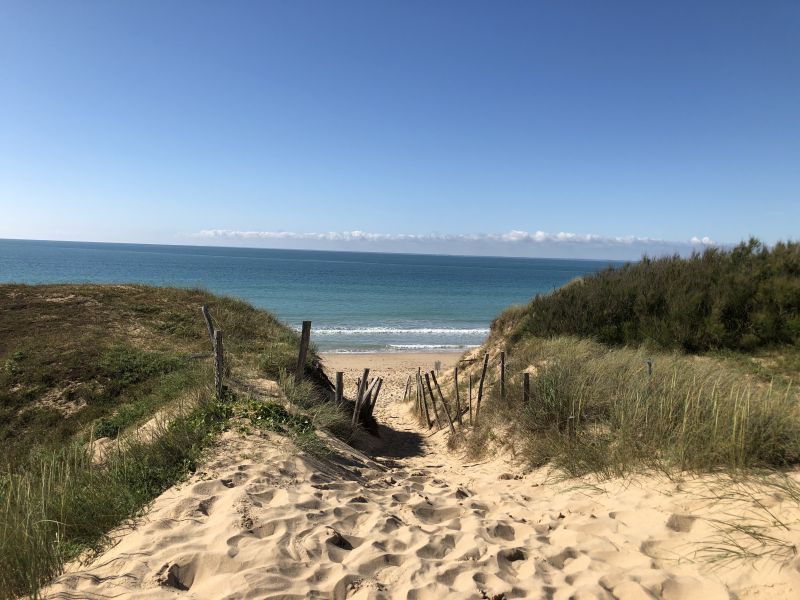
(597, 129)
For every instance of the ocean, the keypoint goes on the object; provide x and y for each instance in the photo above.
(357, 301)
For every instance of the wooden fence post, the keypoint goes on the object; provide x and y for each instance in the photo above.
(526, 388)
(458, 403)
(375, 396)
(408, 387)
(219, 362)
(433, 400)
(301, 357)
(209, 323)
(571, 433)
(424, 400)
(502, 375)
(339, 386)
(480, 386)
(444, 404)
(362, 384)
(470, 398)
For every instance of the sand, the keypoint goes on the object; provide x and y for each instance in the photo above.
(407, 518)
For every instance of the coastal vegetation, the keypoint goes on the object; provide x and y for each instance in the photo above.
(86, 362)
(740, 299)
(670, 363)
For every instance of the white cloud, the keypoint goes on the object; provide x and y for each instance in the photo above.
(510, 237)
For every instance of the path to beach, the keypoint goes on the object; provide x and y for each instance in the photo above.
(409, 519)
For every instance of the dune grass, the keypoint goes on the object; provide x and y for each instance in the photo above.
(62, 504)
(692, 413)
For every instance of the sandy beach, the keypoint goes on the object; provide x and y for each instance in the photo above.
(401, 516)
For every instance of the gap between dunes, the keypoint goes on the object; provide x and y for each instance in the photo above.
(403, 517)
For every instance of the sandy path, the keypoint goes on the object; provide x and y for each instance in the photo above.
(415, 521)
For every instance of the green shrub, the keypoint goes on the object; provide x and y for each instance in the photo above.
(744, 299)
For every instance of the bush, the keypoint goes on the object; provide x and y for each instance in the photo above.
(742, 299)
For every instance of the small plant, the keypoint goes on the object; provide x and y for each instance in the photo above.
(273, 416)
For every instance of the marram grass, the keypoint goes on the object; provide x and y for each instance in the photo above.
(692, 413)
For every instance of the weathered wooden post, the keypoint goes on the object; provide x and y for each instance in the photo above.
(502, 375)
(433, 400)
(419, 401)
(444, 404)
(375, 396)
(480, 386)
(339, 386)
(301, 357)
(571, 434)
(425, 410)
(209, 323)
(458, 403)
(219, 362)
(408, 387)
(526, 388)
(362, 384)
(366, 404)
(470, 398)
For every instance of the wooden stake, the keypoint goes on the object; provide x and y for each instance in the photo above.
(219, 362)
(362, 384)
(339, 386)
(571, 433)
(209, 324)
(408, 387)
(458, 403)
(375, 397)
(301, 357)
(367, 401)
(444, 404)
(428, 420)
(433, 400)
(419, 398)
(470, 398)
(480, 386)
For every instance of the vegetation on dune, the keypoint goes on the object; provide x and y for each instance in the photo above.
(60, 503)
(79, 357)
(722, 331)
(741, 299)
(691, 413)
(86, 361)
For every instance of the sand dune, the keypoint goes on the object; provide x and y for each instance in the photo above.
(416, 521)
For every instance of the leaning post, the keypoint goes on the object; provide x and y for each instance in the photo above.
(305, 336)
(480, 386)
(458, 402)
(339, 386)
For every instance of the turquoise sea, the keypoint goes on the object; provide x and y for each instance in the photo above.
(356, 301)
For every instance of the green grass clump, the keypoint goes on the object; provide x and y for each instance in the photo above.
(693, 413)
(742, 299)
(63, 504)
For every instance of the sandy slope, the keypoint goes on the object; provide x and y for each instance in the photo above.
(416, 521)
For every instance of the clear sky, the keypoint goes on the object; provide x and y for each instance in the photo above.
(613, 124)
